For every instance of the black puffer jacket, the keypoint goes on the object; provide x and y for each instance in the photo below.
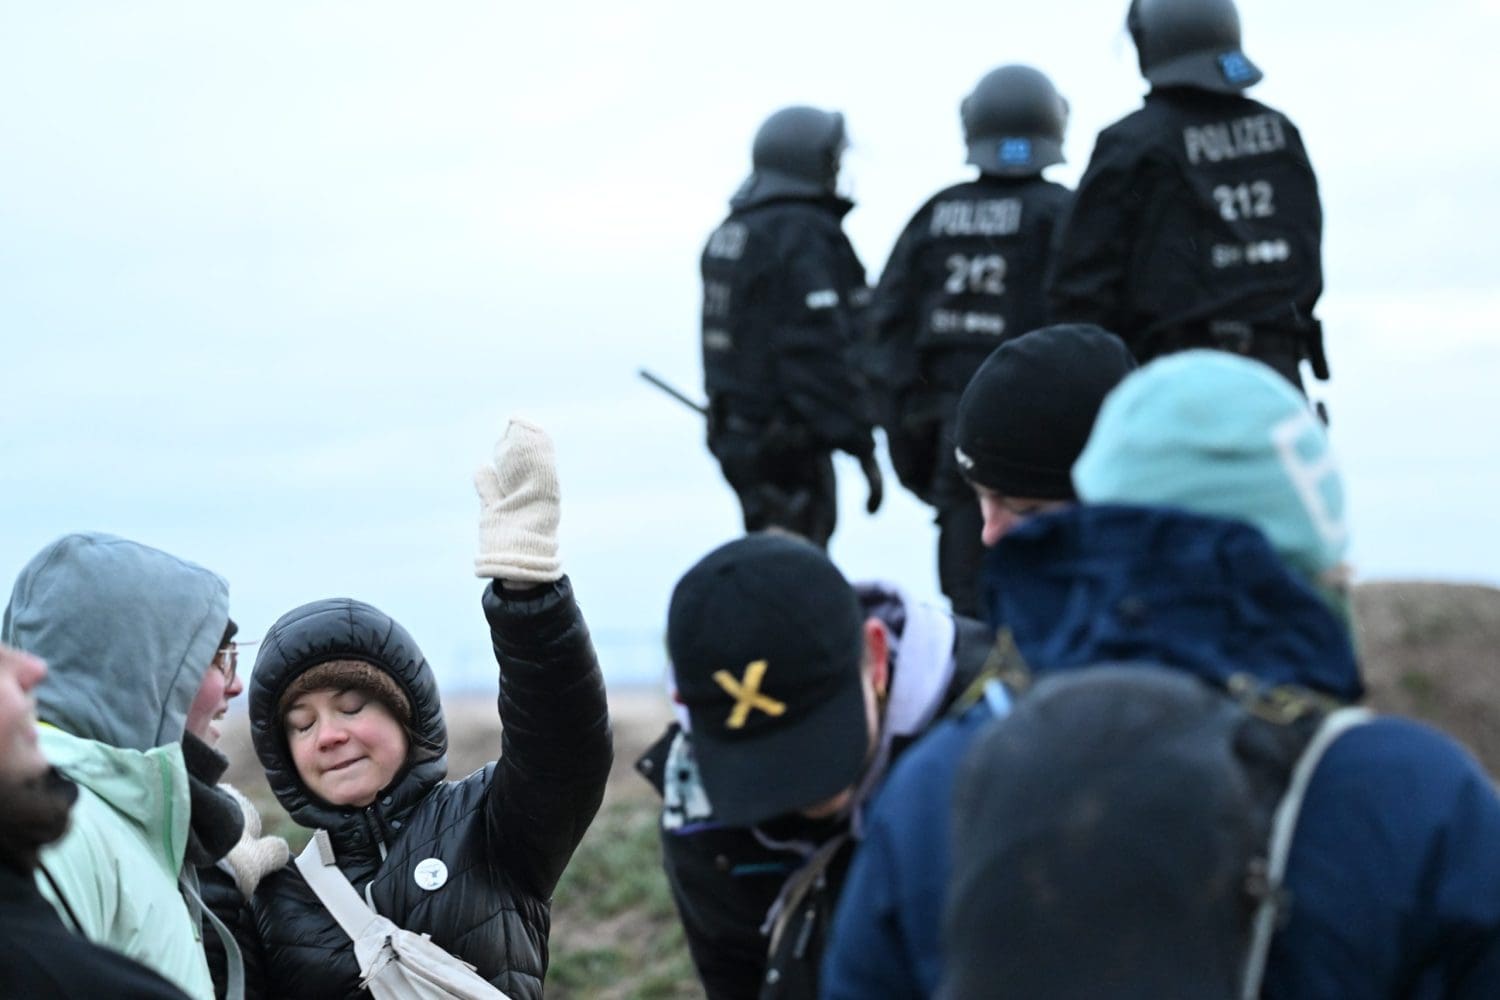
(505, 832)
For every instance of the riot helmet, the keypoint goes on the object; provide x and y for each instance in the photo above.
(1014, 122)
(1191, 43)
(796, 154)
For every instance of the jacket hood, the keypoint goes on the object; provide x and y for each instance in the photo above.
(341, 628)
(112, 617)
(1119, 584)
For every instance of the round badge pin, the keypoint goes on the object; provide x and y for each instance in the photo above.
(430, 874)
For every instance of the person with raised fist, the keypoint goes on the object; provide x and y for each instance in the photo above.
(345, 717)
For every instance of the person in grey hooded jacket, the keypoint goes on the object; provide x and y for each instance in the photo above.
(129, 633)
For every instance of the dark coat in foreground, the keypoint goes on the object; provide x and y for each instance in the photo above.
(1394, 875)
(505, 833)
(45, 959)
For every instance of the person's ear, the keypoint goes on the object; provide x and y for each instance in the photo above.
(877, 654)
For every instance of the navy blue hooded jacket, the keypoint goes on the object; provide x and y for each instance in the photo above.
(1395, 869)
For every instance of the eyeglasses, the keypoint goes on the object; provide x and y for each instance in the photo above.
(227, 660)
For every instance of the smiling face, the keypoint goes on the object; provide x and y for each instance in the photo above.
(346, 745)
(220, 684)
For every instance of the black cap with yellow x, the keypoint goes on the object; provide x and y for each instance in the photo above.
(765, 636)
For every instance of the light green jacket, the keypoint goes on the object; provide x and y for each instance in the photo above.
(128, 632)
(117, 867)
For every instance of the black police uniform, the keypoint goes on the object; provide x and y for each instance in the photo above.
(1197, 224)
(966, 274)
(782, 295)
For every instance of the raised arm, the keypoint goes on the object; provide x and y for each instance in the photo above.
(556, 746)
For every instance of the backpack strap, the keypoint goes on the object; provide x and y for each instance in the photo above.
(803, 882)
(1005, 664)
(77, 927)
(321, 872)
(234, 960)
(1283, 828)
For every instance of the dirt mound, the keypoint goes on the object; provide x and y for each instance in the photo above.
(1432, 651)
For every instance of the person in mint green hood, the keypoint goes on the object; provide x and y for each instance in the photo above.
(128, 632)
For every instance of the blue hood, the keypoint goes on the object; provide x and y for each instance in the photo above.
(1115, 584)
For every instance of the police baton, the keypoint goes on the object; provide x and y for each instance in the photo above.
(673, 391)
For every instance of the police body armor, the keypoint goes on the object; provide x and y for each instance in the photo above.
(1225, 230)
(1251, 227)
(782, 296)
(1197, 223)
(965, 276)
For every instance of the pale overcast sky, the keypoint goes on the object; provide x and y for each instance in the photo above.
(272, 275)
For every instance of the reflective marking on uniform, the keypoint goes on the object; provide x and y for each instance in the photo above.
(746, 694)
(964, 461)
(992, 217)
(953, 321)
(430, 874)
(823, 298)
(1260, 252)
(718, 340)
(716, 298)
(1255, 135)
(728, 241)
(1315, 478)
(1268, 252)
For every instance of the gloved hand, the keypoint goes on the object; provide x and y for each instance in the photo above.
(519, 509)
(876, 481)
(254, 857)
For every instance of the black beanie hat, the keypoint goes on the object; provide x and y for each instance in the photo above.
(1028, 410)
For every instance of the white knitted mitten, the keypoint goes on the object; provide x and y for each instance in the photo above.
(519, 508)
(254, 857)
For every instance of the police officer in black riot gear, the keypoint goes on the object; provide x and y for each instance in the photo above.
(783, 294)
(966, 275)
(1197, 223)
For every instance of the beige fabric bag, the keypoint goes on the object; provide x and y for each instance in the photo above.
(394, 964)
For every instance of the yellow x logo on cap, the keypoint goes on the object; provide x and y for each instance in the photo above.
(746, 694)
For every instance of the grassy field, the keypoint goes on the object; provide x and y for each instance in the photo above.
(1428, 651)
